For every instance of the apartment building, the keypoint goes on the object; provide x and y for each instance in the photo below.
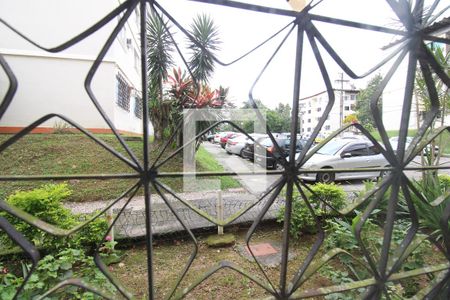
(313, 107)
(54, 82)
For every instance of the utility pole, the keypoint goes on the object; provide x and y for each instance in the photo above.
(341, 101)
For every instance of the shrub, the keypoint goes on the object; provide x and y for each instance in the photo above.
(70, 263)
(302, 221)
(329, 193)
(444, 181)
(431, 188)
(45, 203)
(340, 235)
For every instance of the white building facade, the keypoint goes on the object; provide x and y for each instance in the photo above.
(312, 108)
(54, 83)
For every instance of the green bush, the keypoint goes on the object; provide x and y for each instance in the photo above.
(340, 235)
(329, 193)
(70, 263)
(444, 181)
(45, 203)
(302, 221)
(432, 188)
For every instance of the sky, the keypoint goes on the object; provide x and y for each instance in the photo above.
(240, 31)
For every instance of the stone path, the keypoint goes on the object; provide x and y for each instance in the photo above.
(131, 223)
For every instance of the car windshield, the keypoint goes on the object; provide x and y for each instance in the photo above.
(332, 147)
(266, 142)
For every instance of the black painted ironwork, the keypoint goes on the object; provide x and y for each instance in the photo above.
(386, 269)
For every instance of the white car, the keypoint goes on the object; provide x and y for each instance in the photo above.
(236, 145)
(345, 154)
(394, 143)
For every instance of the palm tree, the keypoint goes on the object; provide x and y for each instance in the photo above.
(205, 44)
(423, 100)
(159, 57)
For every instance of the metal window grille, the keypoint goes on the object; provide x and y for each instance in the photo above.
(123, 93)
(138, 107)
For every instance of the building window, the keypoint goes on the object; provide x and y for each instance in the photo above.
(136, 60)
(327, 127)
(309, 120)
(309, 129)
(123, 93)
(138, 107)
(309, 111)
(353, 97)
(303, 129)
(319, 109)
(317, 118)
(346, 107)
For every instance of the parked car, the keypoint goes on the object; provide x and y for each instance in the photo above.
(345, 154)
(219, 135)
(210, 137)
(224, 139)
(394, 143)
(236, 145)
(248, 150)
(269, 155)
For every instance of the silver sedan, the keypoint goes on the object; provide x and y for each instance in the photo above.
(345, 154)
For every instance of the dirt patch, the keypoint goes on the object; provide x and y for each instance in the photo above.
(171, 257)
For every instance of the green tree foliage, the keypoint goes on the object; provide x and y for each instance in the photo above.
(164, 112)
(278, 119)
(362, 108)
(204, 46)
(350, 119)
(423, 97)
(421, 90)
(159, 58)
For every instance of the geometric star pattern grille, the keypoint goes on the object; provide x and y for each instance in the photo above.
(386, 268)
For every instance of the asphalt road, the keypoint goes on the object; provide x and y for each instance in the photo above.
(257, 184)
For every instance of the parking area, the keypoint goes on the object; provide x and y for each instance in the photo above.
(257, 184)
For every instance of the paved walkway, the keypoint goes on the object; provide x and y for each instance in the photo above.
(131, 223)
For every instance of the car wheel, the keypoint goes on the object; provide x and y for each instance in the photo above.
(229, 153)
(327, 177)
(275, 165)
(241, 153)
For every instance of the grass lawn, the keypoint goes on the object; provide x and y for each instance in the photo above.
(64, 154)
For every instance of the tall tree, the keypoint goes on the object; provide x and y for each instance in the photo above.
(362, 107)
(159, 57)
(424, 102)
(284, 111)
(421, 91)
(206, 43)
